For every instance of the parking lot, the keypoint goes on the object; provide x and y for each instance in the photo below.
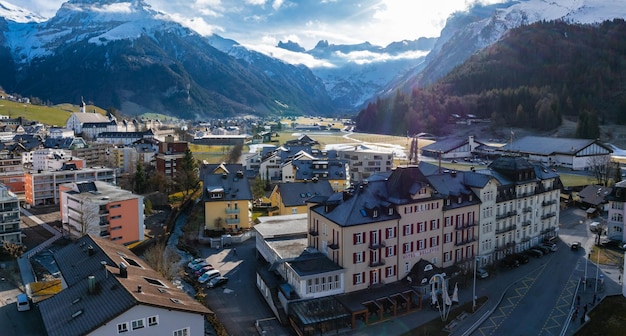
(238, 303)
(25, 323)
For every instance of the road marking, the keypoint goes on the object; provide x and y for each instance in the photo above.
(491, 325)
(560, 312)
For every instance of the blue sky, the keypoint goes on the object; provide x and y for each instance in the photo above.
(259, 23)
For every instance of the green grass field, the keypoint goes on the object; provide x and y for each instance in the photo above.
(53, 116)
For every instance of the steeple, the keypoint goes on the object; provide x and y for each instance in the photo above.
(82, 105)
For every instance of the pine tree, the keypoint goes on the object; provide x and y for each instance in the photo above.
(187, 179)
(140, 179)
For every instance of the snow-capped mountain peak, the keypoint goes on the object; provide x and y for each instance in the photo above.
(18, 14)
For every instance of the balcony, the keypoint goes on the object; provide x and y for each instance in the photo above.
(7, 219)
(465, 242)
(376, 263)
(377, 245)
(548, 215)
(527, 209)
(465, 225)
(548, 203)
(10, 229)
(232, 210)
(506, 229)
(7, 209)
(333, 246)
(232, 221)
(314, 233)
(506, 215)
(525, 239)
(526, 223)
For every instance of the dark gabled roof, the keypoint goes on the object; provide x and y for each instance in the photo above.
(358, 207)
(550, 146)
(233, 184)
(77, 311)
(298, 193)
(453, 185)
(428, 168)
(594, 194)
(405, 182)
(124, 134)
(28, 141)
(477, 180)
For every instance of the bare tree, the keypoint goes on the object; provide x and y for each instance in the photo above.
(87, 219)
(163, 259)
(14, 250)
(600, 167)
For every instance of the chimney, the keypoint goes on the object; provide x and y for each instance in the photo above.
(91, 280)
(90, 251)
(123, 270)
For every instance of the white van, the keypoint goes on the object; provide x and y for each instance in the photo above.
(593, 227)
(22, 302)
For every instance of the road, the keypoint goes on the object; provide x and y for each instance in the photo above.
(540, 301)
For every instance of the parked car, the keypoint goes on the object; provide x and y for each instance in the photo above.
(208, 276)
(199, 265)
(194, 262)
(22, 302)
(542, 248)
(203, 270)
(509, 261)
(521, 258)
(217, 281)
(575, 245)
(482, 273)
(551, 246)
(534, 253)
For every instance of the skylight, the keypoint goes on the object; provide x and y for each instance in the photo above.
(154, 282)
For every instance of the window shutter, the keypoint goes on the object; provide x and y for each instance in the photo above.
(354, 258)
(364, 238)
(395, 249)
(411, 250)
(354, 239)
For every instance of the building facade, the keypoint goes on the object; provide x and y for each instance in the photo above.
(9, 217)
(103, 210)
(42, 188)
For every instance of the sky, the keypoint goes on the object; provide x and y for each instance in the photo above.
(259, 23)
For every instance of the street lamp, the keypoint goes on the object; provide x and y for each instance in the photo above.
(597, 270)
(474, 286)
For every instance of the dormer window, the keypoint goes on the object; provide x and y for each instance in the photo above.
(460, 200)
(375, 213)
(390, 211)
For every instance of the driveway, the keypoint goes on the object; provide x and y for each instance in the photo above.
(238, 304)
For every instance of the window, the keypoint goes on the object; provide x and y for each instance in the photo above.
(358, 257)
(357, 279)
(408, 229)
(407, 247)
(153, 320)
(294, 211)
(358, 238)
(122, 327)
(181, 332)
(421, 244)
(137, 324)
(391, 232)
(391, 271)
(447, 238)
(391, 251)
(421, 227)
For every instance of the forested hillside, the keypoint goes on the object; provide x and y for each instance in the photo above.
(530, 79)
